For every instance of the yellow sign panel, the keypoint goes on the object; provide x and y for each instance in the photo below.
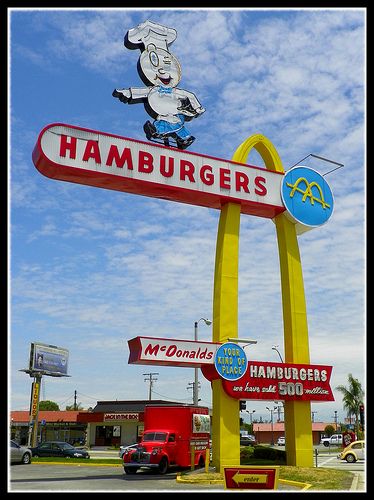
(35, 399)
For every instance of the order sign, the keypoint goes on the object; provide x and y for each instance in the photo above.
(251, 477)
(230, 361)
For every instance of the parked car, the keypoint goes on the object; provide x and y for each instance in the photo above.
(19, 454)
(353, 452)
(58, 449)
(248, 440)
(281, 441)
(122, 449)
(334, 440)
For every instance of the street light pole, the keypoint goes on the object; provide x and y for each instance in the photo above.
(279, 354)
(250, 415)
(272, 428)
(196, 382)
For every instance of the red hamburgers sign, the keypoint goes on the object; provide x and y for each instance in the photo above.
(85, 156)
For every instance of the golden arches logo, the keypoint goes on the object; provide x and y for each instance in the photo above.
(307, 193)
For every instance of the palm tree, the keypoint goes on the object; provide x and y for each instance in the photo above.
(352, 398)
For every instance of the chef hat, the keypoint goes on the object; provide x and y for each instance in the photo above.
(150, 33)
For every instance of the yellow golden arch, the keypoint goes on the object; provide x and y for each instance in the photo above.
(297, 415)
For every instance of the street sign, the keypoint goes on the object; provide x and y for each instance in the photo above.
(251, 477)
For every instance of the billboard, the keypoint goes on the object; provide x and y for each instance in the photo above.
(48, 359)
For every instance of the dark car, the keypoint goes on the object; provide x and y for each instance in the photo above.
(249, 440)
(19, 454)
(58, 449)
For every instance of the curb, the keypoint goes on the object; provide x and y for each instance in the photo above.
(192, 480)
(76, 465)
(184, 479)
(303, 486)
(354, 482)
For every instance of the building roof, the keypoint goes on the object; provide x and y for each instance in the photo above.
(48, 416)
(129, 406)
(279, 426)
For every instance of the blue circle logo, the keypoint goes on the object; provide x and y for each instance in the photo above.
(307, 196)
(230, 361)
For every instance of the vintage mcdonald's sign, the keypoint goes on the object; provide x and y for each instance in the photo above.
(172, 352)
(252, 380)
(307, 198)
(75, 154)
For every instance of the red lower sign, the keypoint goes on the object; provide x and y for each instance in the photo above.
(251, 477)
(278, 381)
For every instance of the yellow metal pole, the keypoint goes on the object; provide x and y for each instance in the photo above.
(225, 420)
(297, 414)
(299, 445)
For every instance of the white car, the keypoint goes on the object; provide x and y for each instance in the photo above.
(122, 449)
(281, 441)
(19, 454)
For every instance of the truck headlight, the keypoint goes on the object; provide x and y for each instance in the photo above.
(156, 450)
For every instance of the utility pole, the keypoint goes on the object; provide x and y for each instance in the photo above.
(151, 380)
(75, 400)
(191, 385)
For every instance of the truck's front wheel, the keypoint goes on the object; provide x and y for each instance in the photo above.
(163, 465)
(326, 443)
(130, 470)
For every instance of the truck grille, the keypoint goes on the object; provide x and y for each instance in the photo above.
(141, 457)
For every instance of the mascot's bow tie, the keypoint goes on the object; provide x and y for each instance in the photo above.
(165, 90)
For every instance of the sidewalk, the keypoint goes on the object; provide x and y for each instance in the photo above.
(103, 452)
(359, 482)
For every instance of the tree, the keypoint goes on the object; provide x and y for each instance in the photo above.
(48, 406)
(329, 430)
(352, 399)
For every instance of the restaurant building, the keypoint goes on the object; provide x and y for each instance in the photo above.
(115, 423)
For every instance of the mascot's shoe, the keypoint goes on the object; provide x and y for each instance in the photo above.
(150, 130)
(184, 143)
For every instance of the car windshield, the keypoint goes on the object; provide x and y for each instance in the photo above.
(67, 446)
(154, 436)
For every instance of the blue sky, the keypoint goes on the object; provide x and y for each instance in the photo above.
(91, 268)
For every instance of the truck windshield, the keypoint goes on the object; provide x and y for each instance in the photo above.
(154, 436)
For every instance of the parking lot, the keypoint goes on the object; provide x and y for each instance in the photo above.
(83, 478)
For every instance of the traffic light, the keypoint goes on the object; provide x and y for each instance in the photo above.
(362, 416)
(243, 405)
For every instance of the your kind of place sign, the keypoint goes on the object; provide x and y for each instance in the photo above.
(75, 154)
(241, 379)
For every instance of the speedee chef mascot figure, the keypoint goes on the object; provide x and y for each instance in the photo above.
(160, 71)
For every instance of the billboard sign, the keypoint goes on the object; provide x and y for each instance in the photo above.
(48, 359)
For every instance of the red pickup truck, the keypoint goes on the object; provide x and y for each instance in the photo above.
(170, 435)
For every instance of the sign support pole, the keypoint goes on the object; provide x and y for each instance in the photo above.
(34, 411)
(225, 423)
(299, 443)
